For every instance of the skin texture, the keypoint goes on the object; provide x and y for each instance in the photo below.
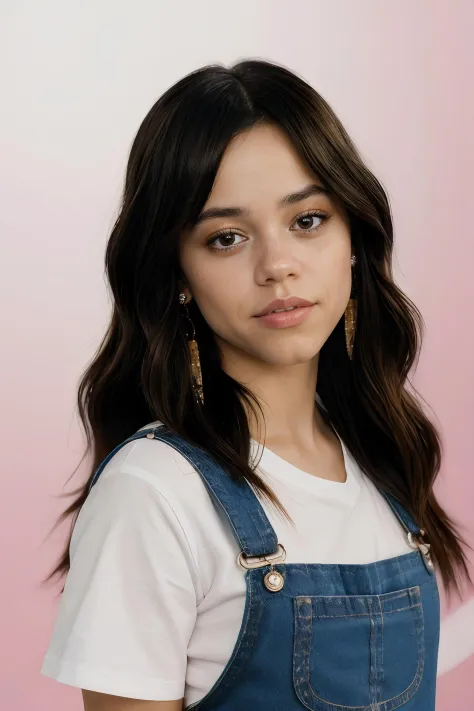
(275, 251)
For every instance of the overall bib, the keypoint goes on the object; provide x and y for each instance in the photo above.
(324, 637)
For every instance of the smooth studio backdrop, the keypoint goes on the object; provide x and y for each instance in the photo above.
(77, 79)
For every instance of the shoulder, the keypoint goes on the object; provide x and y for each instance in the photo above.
(154, 469)
(149, 486)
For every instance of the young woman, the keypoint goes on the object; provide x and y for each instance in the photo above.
(259, 530)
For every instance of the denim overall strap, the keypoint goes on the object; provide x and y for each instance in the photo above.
(241, 506)
(402, 514)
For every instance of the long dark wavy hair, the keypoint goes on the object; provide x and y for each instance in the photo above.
(141, 370)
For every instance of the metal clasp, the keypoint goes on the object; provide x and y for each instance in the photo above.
(261, 561)
(421, 545)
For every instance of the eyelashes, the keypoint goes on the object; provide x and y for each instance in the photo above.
(222, 234)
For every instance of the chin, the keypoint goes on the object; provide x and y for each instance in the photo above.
(288, 356)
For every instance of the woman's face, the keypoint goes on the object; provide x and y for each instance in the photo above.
(262, 241)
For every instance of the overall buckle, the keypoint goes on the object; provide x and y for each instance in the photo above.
(417, 542)
(255, 561)
(273, 580)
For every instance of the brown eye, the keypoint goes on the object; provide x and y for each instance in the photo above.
(310, 222)
(225, 241)
(307, 222)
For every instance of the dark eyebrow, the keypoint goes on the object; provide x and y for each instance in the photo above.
(213, 212)
(291, 199)
(306, 192)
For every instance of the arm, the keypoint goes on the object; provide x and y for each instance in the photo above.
(103, 702)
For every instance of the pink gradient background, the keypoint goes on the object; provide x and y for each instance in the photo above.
(77, 79)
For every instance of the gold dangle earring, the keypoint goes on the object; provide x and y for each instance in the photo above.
(350, 314)
(196, 374)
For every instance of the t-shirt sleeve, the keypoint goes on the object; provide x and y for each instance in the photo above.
(130, 599)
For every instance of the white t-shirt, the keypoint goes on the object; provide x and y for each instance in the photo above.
(154, 599)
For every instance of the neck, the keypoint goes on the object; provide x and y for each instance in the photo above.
(287, 398)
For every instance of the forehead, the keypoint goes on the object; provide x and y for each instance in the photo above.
(259, 166)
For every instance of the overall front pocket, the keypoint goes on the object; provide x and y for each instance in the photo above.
(351, 651)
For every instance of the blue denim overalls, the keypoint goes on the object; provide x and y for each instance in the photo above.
(321, 637)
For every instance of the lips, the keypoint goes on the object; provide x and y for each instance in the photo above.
(278, 304)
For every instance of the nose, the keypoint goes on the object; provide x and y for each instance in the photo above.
(276, 262)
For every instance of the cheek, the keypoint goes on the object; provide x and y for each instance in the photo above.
(337, 286)
(218, 294)
(332, 263)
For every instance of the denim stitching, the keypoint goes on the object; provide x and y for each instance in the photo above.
(373, 658)
(302, 651)
(381, 671)
(420, 628)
